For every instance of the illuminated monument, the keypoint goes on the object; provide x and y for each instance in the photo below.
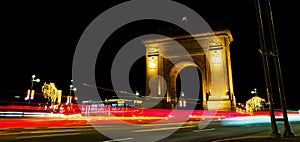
(211, 58)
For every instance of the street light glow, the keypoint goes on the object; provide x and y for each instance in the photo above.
(254, 91)
(37, 80)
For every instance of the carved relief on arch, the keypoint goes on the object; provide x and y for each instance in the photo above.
(215, 43)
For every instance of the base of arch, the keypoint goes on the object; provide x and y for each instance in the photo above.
(219, 103)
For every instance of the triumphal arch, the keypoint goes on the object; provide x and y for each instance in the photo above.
(211, 57)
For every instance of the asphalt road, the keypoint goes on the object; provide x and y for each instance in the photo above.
(161, 132)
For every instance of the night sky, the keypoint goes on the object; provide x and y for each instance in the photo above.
(40, 38)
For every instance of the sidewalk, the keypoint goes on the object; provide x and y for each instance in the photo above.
(263, 137)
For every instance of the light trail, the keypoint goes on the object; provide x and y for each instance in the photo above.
(44, 131)
(164, 124)
(250, 120)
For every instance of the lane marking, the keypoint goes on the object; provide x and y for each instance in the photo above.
(162, 129)
(48, 135)
(203, 130)
(124, 139)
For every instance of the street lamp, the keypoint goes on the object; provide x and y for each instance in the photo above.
(137, 102)
(137, 93)
(30, 92)
(34, 80)
(274, 131)
(274, 54)
(72, 88)
(254, 91)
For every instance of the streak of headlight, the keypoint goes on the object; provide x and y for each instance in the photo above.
(11, 114)
(248, 120)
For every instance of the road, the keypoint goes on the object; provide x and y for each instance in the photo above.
(127, 132)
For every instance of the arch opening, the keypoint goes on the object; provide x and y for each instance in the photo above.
(185, 99)
(183, 96)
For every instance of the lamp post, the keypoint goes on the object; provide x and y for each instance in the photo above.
(263, 46)
(254, 92)
(274, 54)
(30, 92)
(72, 88)
(287, 129)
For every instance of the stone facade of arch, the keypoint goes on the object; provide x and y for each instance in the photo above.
(164, 57)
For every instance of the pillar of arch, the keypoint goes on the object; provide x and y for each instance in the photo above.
(211, 57)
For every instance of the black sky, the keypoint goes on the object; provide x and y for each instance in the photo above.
(40, 38)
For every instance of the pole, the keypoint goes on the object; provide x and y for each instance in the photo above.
(69, 98)
(287, 128)
(31, 88)
(274, 131)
